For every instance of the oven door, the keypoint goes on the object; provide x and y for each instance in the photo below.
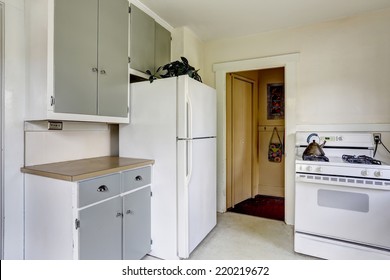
(356, 215)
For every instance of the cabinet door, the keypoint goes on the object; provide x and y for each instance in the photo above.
(75, 53)
(141, 40)
(113, 62)
(163, 46)
(101, 230)
(136, 224)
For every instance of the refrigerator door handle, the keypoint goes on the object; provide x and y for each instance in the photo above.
(189, 117)
(189, 160)
(189, 136)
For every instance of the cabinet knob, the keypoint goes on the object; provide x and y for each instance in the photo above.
(103, 72)
(94, 69)
(119, 214)
(102, 188)
(129, 212)
(138, 178)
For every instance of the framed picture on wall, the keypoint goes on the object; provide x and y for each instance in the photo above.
(275, 101)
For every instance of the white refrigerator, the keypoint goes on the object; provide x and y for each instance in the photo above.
(173, 121)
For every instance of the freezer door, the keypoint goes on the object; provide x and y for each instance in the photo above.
(197, 109)
(197, 209)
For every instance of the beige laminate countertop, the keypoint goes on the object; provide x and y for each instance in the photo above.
(76, 170)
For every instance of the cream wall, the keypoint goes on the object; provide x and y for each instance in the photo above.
(343, 66)
(336, 73)
(186, 43)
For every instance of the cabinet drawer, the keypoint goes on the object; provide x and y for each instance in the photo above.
(97, 189)
(136, 178)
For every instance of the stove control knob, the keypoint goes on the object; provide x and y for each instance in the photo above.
(364, 172)
(318, 169)
(309, 168)
(378, 173)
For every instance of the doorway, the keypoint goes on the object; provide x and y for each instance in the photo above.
(290, 62)
(254, 127)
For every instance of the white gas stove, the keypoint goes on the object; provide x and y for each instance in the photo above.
(342, 205)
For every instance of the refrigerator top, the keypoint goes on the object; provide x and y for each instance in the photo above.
(195, 103)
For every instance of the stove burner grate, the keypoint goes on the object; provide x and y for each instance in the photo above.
(315, 158)
(360, 159)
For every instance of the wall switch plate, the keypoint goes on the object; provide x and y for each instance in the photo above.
(55, 125)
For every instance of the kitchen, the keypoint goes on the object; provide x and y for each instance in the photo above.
(345, 60)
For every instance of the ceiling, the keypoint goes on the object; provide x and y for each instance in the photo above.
(216, 19)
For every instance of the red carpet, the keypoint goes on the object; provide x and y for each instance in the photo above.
(269, 207)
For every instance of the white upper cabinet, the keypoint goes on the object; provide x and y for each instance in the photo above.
(78, 60)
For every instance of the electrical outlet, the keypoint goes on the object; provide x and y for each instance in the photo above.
(55, 126)
(377, 138)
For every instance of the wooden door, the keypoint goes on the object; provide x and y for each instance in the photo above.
(240, 142)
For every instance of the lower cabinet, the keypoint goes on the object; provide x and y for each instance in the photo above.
(136, 233)
(103, 218)
(100, 227)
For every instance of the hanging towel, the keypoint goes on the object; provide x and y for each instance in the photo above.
(275, 149)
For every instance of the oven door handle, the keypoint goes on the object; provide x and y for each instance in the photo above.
(360, 183)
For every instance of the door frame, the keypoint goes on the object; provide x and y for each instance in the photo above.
(290, 64)
(229, 136)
